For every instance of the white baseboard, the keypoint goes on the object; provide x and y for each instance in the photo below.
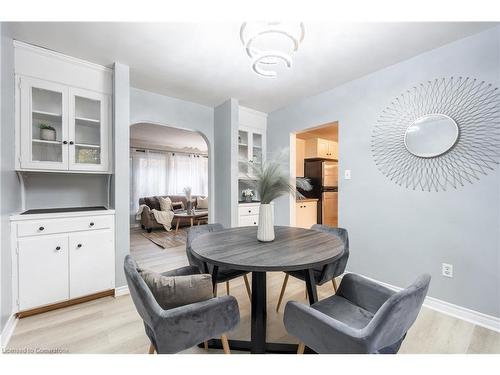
(459, 312)
(121, 291)
(8, 330)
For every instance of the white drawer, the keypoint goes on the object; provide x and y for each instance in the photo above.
(51, 226)
(248, 220)
(248, 210)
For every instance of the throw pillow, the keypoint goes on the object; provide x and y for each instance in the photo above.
(152, 202)
(165, 204)
(175, 291)
(202, 203)
(177, 206)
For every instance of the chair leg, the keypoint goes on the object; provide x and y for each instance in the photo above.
(301, 348)
(215, 290)
(227, 287)
(283, 287)
(225, 344)
(151, 349)
(334, 285)
(306, 291)
(247, 285)
(205, 345)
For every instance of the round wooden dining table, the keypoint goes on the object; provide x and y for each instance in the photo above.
(293, 249)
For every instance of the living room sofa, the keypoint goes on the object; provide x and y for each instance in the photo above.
(148, 220)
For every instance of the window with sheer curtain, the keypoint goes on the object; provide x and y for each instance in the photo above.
(166, 173)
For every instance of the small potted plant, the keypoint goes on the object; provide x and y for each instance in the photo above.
(47, 132)
(248, 195)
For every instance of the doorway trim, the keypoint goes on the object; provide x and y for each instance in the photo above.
(292, 165)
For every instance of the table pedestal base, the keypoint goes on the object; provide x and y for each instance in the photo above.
(246, 346)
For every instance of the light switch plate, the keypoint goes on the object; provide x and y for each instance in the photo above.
(347, 174)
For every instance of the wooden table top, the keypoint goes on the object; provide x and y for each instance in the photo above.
(293, 249)
(197, 213)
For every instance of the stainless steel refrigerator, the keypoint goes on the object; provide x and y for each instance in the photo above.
(324, 179)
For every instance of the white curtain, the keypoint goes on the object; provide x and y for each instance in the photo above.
(166, 173)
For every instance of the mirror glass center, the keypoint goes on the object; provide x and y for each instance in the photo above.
(431, 135)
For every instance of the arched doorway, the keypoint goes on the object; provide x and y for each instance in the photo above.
(163, 161)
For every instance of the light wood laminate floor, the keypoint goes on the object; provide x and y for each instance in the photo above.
(111, 325)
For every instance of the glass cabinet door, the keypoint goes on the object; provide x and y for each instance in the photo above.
(43, 119)
(88, 130)
(257, 149)
(243, 152)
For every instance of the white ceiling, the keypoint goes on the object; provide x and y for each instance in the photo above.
(206, 63)
(164, 137)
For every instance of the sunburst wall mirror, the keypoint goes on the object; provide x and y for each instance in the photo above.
(439, 134)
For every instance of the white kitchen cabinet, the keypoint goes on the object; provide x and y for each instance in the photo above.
(321, 148)
(91, 256)
(43, 270)
(306, 213)
(63, 114)
(60, 257)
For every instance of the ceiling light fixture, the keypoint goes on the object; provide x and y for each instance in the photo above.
(268, 43)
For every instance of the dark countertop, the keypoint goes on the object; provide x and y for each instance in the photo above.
(63, 209)
(248, 202)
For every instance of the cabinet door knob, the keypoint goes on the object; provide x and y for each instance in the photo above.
(58, 248)
(91, 224)
(65, 142)
(79, 245)
(71, 142)
(41, 228)
(254, 223)
(249, 211)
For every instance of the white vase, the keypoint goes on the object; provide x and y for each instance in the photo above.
(265, 231)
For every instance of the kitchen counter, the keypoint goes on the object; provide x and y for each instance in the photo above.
(307, 200)
(64, 209)
(61, 213)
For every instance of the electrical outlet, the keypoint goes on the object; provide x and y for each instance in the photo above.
(347, 174)
(447, 270)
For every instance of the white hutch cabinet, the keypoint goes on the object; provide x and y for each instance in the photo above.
(251, 148)
(63, 113)
(63, 125)
(61, 257)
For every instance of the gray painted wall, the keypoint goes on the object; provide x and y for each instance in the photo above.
(396, 234)
(120, 185)
(9, 185)
(226, 120)
(65, 190)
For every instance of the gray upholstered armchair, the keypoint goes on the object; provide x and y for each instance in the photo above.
(177, 329)
(326, 273)
(224, 275)
(363, 317)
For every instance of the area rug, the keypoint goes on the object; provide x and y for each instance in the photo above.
(166, 239)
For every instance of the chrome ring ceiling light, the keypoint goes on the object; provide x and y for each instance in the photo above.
(263, 57)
